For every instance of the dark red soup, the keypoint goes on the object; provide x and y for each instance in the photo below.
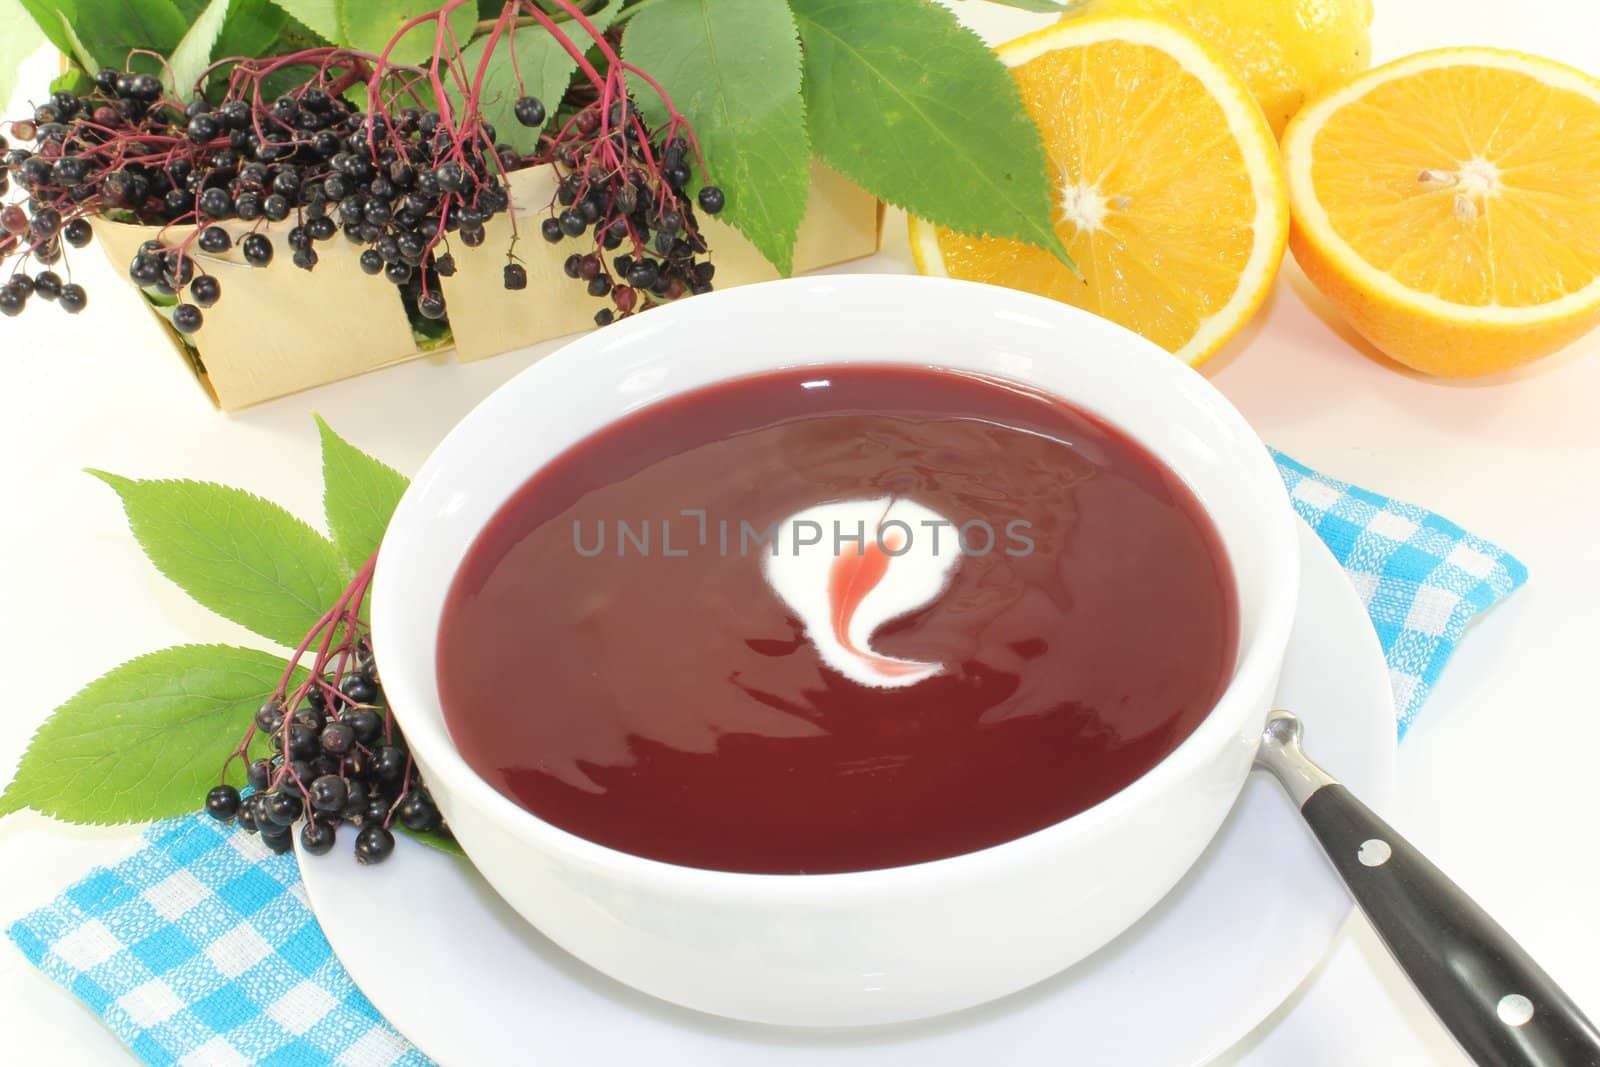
(835, 619)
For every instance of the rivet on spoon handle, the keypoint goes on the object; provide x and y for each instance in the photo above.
(1489, 993)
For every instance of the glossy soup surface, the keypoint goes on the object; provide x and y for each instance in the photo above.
(979, 611)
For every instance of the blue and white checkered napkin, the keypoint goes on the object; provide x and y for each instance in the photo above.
(1420, 575)
(200, 950)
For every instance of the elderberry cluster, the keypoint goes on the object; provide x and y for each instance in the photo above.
(339, 761)
(620, 186)
(402, 184)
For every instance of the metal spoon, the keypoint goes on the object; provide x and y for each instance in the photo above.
(1489, 993)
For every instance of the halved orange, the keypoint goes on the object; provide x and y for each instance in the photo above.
(1449, 205)
(1170, 196)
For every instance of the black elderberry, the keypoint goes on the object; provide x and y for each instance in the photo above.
(338, 738)
(677, 175)
(377, 809)
(269, 716)
(257, 249)
(329, 794)
(711, 199)
(186, 318)
(68, 171)
(417, 811)
(473, 236)
(205, 291)
(36, 170)
(215, 240)
(399, 272)
(356, 798)
(599, 286)
(551, 230)
(572, 265)
(365, 722)
(46, 221)
(11, 301)
(388, 763)
(311, 718)
(178, 269)
(47, 284)
(303, 742)
(73, 299)
(450, 176)
(571, 223)
(431, 305)
(283, 807)
(603, 317)
(222, 803)
(247, 205)
(373, 844)
(146, 269)
(317, 837)
(276, 207)
(203, 128)
(445, 267)
(306, 258)
(216, 204)
(259, 774)
(371, 262)
(643, 275)
(412, 247)
(246, 819)
(279, 839)
(322, 229)
(143, 87)
(515, 276)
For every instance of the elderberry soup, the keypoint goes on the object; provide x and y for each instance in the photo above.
(835, 619)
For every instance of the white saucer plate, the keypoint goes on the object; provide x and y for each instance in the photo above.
(470, 983)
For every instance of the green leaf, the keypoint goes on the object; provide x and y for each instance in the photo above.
(193, 53)
(111, 29)
(148, 739)
(432, 838)
(72, 80)
(531, 63)
(245, 558)
(256, 28)
(76, 49)
(359, 495)
(322, 16)
(19, 41)
(917, 110)
(369, 25)
(733, 69)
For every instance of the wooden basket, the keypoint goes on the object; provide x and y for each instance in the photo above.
(279, 330)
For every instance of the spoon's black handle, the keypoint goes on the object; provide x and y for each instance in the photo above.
(1490, 994)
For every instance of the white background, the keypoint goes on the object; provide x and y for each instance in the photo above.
(1497, 778)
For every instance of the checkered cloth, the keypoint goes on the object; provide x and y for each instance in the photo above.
(200, 949)
(1420, 575)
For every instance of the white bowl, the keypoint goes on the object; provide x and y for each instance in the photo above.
(874, 946)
